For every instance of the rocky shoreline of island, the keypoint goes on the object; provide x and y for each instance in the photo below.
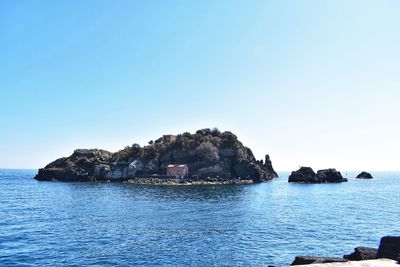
(181, 182)
(173, 181)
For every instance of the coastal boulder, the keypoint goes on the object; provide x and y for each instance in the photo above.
(303, 260)
(389, 247)
(364, 175)
(361, 254)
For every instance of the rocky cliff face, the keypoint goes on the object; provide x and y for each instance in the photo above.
(208, 153)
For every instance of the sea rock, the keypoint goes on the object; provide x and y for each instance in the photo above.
(362, 253)
(364, 175)
(389, 248)
(268, 166)
(308, 176)
(207, 153)
(330, 176)
(303, 260)
(303, 175)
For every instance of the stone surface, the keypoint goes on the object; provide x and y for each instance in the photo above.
(304, 260)
(207, 153)
(364, 175)
(308, 176)
(389, 247)
(362, 253)
(366, 263)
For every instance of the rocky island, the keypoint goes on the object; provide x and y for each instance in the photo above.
(364, 175)
(307, 175)
(206, 157)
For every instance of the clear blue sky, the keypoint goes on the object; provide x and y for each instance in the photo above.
(310, 82)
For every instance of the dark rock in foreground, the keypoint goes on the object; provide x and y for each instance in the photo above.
(362, 253)
(308, 176)
(364, 175)
(300, 260)
(209, 154)
(389, 248)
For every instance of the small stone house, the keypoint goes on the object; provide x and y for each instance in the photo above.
(169, 138)
(180, 171)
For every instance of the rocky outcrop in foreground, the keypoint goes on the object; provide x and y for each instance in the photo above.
(308, 176)
(362, 254)
(303, 260)
(209, 154)
(364, 175)
(389, 248)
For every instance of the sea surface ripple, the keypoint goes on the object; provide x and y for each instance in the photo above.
(97, 224)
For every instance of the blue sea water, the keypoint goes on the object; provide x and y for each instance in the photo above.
(91, 224)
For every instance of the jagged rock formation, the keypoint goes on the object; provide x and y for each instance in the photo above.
(308, 176)
(364, 175)
(207, 153)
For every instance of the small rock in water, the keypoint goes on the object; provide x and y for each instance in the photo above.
(364, 175)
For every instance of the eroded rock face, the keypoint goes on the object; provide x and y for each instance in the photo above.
(308, 176)
(208, 153)
(364, 175)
